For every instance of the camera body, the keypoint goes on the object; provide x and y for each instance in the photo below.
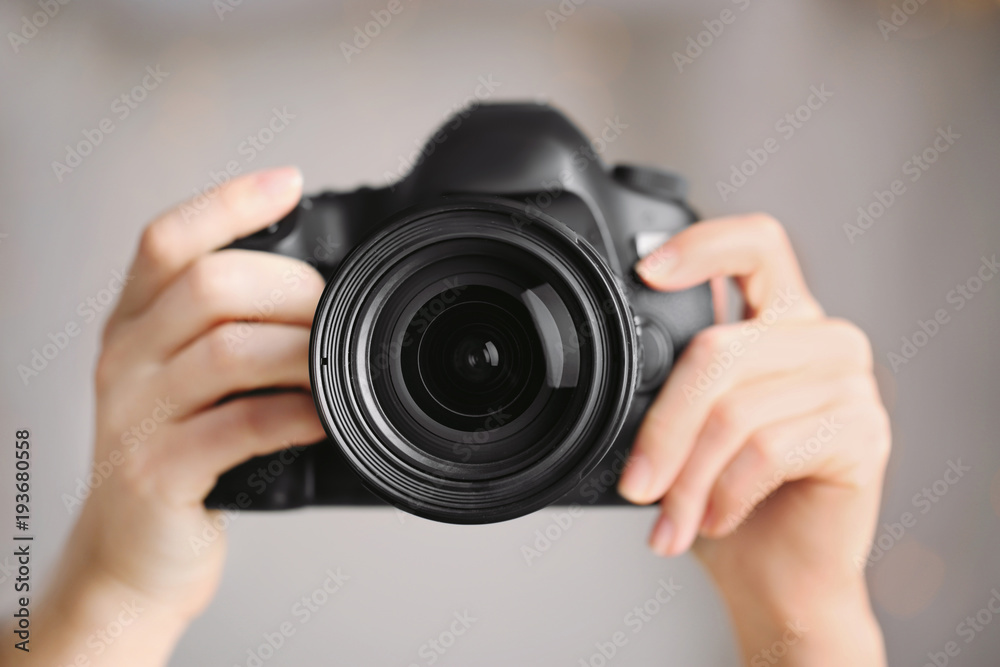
(498, 270)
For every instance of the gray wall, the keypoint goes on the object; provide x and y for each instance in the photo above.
(354, 121)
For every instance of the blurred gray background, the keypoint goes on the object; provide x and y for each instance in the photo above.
(354, 121)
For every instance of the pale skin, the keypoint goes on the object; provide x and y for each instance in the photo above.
(176, 337)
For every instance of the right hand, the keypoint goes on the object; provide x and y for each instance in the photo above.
(195, 326)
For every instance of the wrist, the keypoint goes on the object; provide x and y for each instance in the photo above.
(833, 629)
(802, 624)
(91, 618)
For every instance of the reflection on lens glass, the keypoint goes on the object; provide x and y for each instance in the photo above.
(472, 355)
(476, 359)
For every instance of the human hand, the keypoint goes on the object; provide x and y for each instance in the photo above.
(769, 440)
(177, 344)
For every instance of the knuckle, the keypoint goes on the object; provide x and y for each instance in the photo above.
(726, 499)
(105, 372)
(707, 343)
(857, 389)
(313, 277)
(684, 493)
(139, 477)
(762, 447)
(158, 245)
(208, 280)
(254, 421)
(864, 463)
(769, 226)
(880, 433)
(862, 387)
(108, 332)
(729, 510)
(855, 342)
(655, 422)
(113, 414)
(728, 416)
(224, 353)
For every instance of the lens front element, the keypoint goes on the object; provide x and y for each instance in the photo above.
(479, 356)
(473, 369)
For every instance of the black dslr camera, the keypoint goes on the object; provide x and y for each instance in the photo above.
(482, 348)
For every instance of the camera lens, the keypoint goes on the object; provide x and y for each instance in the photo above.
(478, 356)
(473, 368)
(474, 357)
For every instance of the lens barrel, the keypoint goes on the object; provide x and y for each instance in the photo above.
(474, 360)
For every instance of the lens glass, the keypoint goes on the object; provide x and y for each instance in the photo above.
(479, 352)
(479, 355)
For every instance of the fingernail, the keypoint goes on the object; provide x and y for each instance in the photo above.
(636, 478)
(663, 534)
(658, 264)
(278, 181)
(686, 540)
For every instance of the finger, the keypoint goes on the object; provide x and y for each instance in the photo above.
(237, 357)
(754, 248)
(732, 420)
(169, 244)
(846, 446)
(217, 439)
(718, 359)
(720, 299)
(222, 286)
